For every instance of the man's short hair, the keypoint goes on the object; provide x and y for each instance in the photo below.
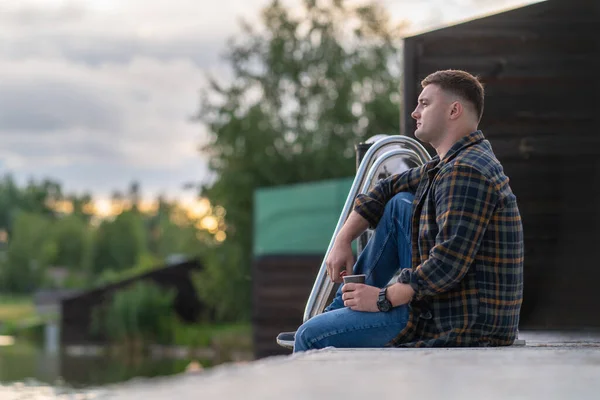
(459, 83)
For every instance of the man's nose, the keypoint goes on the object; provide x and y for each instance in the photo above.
(415, 114)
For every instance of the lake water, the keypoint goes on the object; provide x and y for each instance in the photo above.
(30, 364)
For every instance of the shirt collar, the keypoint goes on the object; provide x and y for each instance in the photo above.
(462, 143)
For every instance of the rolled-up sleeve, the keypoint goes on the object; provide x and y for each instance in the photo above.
(372, 204)
(465, 202)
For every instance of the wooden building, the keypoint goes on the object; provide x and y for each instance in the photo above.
(281, 285)
(541, 68)
(292, 229)
(76, 310)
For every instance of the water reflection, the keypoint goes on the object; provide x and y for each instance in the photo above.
(6, 341)
(24, 361)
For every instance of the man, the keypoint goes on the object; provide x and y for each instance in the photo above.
(453, 228)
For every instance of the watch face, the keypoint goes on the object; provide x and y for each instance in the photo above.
(384, 306)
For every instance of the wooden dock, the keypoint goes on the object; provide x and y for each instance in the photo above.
(549, 367)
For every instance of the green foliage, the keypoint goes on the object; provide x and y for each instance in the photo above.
(8, 328)
(71, 239)
(15, 308)
(223, 283)
(173, 238)
(119, 244)
(306, 89)
(42, 229)
(80, 206)
(34, 198)
(205, 335)
(31, 329)
(147, 263)
(143, 312)
(28, 253)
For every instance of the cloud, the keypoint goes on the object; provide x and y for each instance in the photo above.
(136, 116)
(50, 104)
(95, 50)
(36, 13)
(96, 93)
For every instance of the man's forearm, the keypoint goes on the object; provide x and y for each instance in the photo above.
(355, 225)
(399, 294)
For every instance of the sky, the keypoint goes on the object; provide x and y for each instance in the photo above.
(98, 93)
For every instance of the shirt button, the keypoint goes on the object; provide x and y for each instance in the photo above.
(426, 315)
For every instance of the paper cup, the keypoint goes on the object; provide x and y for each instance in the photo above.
(354, 278)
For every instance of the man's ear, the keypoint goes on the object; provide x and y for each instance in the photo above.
(456, 110)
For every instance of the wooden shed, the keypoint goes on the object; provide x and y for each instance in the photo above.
(292, 228)
(540, 65)
(76, 310)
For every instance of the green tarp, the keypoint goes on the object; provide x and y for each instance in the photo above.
(298, 219)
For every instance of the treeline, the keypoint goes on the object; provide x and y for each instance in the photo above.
(49, 239)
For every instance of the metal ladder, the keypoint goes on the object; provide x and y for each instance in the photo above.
(381, 149)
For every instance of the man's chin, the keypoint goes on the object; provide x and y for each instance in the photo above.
(419, 135)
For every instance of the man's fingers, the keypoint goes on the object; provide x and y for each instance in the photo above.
(350, 303)
(332, 272)
(348, 287)
(350, 266)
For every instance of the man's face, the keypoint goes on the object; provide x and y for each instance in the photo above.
(431, 114)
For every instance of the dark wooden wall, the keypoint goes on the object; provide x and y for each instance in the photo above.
(76, 311)
(541, 66)
(280, 289)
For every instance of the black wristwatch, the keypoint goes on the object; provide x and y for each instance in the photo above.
(383, 304)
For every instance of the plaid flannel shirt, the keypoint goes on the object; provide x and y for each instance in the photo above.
(467, 248)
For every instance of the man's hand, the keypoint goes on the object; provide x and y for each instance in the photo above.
(360, 297)
(340, 259)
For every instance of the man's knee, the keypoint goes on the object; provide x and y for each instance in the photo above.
(400, 203)
(403, 198)
(399, 209)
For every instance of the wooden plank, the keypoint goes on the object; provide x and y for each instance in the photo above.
(565, 43)
(281, 286)
(566, 14)
(561, 146)
(517, 126)
(505, 68)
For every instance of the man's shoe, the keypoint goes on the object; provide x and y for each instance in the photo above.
(286, 339)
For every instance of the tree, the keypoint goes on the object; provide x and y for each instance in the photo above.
(119, 244)
(36, 197)
(306, 89)
(82, 206)
(29, 253)
(71, 237)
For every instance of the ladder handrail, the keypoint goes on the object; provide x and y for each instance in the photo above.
(322, 287)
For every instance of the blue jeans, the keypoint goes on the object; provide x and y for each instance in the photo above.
(388, 251)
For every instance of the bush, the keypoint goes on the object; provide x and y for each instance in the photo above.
(8, 328)
(32, 330)
(143, 312)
